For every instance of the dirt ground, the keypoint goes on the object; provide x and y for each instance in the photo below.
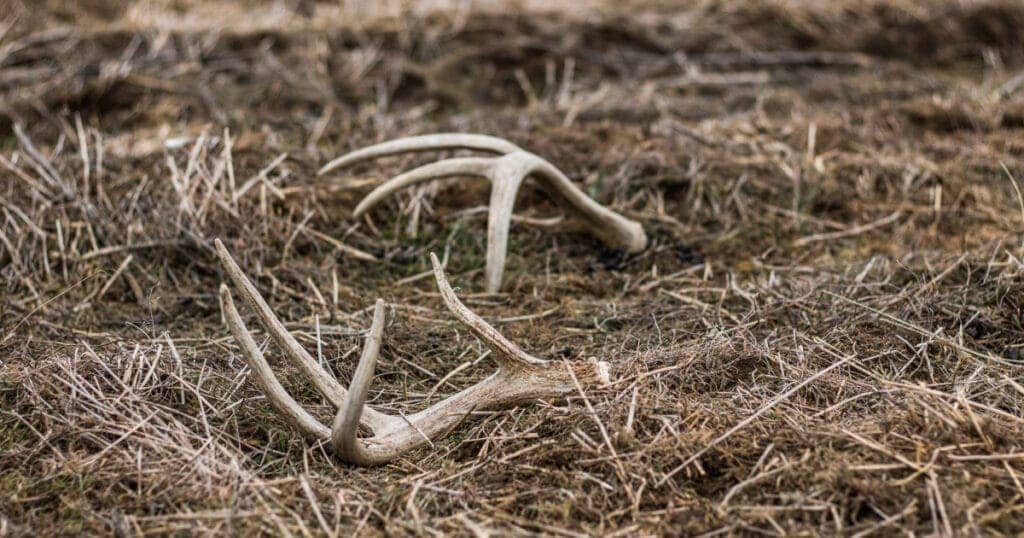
(822, 337)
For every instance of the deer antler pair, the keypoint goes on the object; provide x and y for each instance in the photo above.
(520, 378)
(506, 174)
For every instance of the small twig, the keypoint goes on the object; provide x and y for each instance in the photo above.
(351, 251)
(110, 281)
(1016, 189)
(849, 232)
(106, 251)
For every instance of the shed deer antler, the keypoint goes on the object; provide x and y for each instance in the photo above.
(506, 174)
(520, 378)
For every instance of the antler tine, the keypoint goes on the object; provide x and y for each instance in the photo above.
(323, 381)
(277, 395)
(612, 228)
(431, 142)
(507, 176)
(464, 166)
(346, 422)
(505, 351)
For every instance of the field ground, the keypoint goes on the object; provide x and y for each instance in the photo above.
(823, 337)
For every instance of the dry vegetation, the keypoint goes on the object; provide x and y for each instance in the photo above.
(823, 337)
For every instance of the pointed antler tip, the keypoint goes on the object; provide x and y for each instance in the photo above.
(226, 300)
(222, 251)
(228, 262)
(439, 276)
(337, 162)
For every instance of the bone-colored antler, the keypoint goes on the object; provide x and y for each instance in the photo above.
(506, 174)
(520, 378)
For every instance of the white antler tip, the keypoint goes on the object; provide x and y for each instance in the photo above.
(378, 313)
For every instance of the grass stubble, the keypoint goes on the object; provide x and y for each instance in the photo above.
(824, 336)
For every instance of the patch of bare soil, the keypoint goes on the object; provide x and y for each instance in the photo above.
(823, 336)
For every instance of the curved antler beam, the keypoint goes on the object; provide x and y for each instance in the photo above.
(440, 141)
(520, 378)
(506, 174)
(466, 166)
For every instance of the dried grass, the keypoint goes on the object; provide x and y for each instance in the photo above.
(823, 338)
